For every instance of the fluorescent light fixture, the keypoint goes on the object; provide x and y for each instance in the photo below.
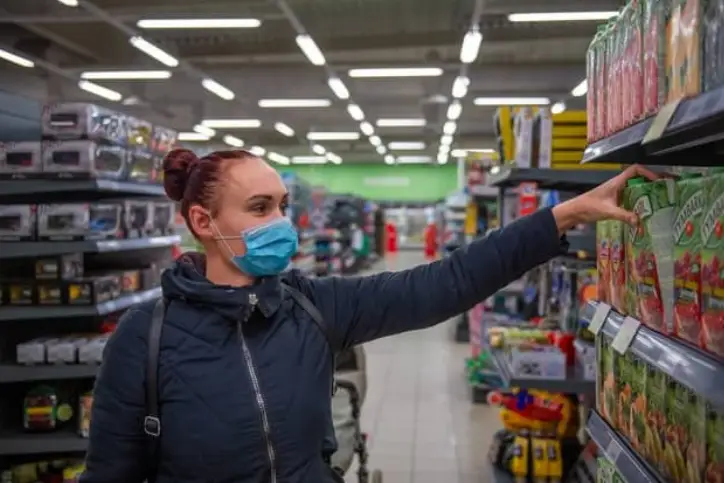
(454, 110)
(444, 148)
(449, 128)
(318, 149)
(333, 136)
(16, 59)
(459, 153)
(309, 160)
(558, 108)
(333, 158)
(401, 122)
(511, 101)
(126, 75)
(406, 146)
(396, 72)
(277, 158)
(257, 150)
(215, 88)
(192, 136)
(69, 3)
(310, 49)
(375, 141)
(205, 130)
(233, 141)
(413, 159)
(355, 112)
(278, 103)
(442, 158)
(340, 90)
(389, 159)
(447, 139)
(152, 51)
(561, 16)
(100, 91)
(283, 129)
(460, 87)
(381, 150)
(199, 23)
(231, 123)
(471, 46)
(366, 129)
(581, 89)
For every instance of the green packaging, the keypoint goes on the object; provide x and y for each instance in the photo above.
(715, 445)
(657, 385)
(603, 250)
(606, 386)
(685, 446)
(639, 406)
(617, 266)
(624, 375)
(712, 265)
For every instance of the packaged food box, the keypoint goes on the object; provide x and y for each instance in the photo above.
(691, 37)
(617, 266)
(639, 406)
(674, 55)
(712, 265)
(713, 55)
(654, 13)
(591, 94)
(624, 376)
(601, 83)
(606, 386)
(657, 384)
(685, 446)
(714, 470)
(691, 199)
(603, 250)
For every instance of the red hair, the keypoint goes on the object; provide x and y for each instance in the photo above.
(191, 180)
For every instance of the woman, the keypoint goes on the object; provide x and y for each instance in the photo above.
(245, 373)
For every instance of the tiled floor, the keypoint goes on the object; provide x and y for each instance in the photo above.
(422, 425)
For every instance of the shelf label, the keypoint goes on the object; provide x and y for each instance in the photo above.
(661, 121)
(599, 318)
(613, 450)
(626, 335)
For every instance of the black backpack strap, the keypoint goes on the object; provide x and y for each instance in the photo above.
(152, 421)
(307, 305)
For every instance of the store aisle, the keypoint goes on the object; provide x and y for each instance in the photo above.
(422, 425)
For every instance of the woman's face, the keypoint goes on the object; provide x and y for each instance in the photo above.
(251, 193)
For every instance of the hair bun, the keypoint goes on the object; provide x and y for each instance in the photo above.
(176, 168)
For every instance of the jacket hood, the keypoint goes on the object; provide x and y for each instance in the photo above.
(186, 281)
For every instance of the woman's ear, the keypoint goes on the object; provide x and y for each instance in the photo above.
(201, 223)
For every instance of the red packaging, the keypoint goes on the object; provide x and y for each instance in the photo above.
(653, 24)
(625, 80)
(637, 68)
(601, 86)
(591, 94)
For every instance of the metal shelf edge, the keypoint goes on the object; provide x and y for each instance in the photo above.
(34, 186)
(35, 444)
(42, 248)
(11, 373)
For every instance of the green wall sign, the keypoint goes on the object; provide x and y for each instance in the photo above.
(382, 182)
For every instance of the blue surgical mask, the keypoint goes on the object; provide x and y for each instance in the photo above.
(269, 248)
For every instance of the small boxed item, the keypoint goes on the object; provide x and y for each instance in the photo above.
(50, 293)
(21, 293)
(59, 267)
(143, 167)
(130, 281)
(164, 218)
(538, 361)
(84, 159)
(84, 121)
(64, 350)
(32, 352)
(18, 222)
(163, 140)
(20, 160)
(138, 218)
(92, 351)
(93, 290)
(140, 134)
(79, 221)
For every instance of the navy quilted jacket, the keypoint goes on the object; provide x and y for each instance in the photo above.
(245, 375)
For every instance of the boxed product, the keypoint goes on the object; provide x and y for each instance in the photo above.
(33, 351)
(712, 265)
(130, 281)
(657, 386)
(93, 290)
(654, 19)
(85, 404)
(80, 221)
(64, 350)
(143, 167)
(21, 293)
(92, 351)
(18, 222)
(715, 445)
(591, 116)
(538, 361)
(603, 244)
(624, 376)
(59, 267)
(639, 406)
(20, 160)
(50, 293)
(84, 121)
(83, 159)
(617, 266)
(685, 445)
(138, 217)
(684, 48)
(140, 134)
(713, 50)
(164, 218)
(691, 199)
(606, 386)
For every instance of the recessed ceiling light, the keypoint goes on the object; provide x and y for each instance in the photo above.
(199, 23)
(340, 90)
(406, 146)
(511, 101)
(309, 160)
(333, 136)
(460, 87)
(277, 158)
(355, 112)
(100, 91)
(257, 150)
(389, 159)
(396, 72)
(292, 103)
(231, 123)
(367, 129)
(561, 16)
(215, 88)
(333, 158)
(126, 75)
(310, 49)
(401, 122)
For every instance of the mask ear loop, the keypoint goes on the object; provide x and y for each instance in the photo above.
(223, 239)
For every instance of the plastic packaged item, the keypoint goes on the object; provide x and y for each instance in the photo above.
(654, 19)
(601, 84)
(138, 218)
(140, 134)
(712, 265)
(80, 221)
(84, 121)
(713, 54)
(635, 81)
(617, 266)
(84, 159)
(603, 244)
(691, 200)
(143, 167)
(32, 352)
(674, 55)
(18, 222)
(691, 37)
(591, 115)
(20, 160)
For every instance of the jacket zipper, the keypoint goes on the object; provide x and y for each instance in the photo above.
(261, 405)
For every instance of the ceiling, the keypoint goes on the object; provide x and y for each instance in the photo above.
(516, 59)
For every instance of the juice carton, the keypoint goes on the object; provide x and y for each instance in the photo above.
(606, 388)
(617, 266)
(713, 54)
(639, 406)
(691, 199)
(715, 445)
(624, 368)
(654, 13)
(685, 446)
(655, 432)
(674, 55)
(712, 265)
(603, 247)
(691, 36)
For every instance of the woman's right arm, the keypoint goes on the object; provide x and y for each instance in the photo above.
(117, 450)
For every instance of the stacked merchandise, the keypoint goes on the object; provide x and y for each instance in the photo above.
(70, 207)
(454, 220)
(299, 212)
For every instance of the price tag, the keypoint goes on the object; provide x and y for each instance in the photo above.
(599, 318)
(626, 335)
(613, 450)
(661, 121)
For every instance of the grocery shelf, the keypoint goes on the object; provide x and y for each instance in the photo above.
(12, 189)
(624, 147)
(689, 366)
(553, 179)
(10, 373)
(9, 313)
(574, 383)
(46, 443)
(45, 248)
(618, 451)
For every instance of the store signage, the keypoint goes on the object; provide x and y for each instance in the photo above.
(396, 181)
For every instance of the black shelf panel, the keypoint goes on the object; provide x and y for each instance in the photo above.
(12, 189)
(10, 373)
(9, 313)
(45, 248)
(689, 366)
(618, 451)
(16, 444)
(553, 179)
(624, 147)
(574, 383)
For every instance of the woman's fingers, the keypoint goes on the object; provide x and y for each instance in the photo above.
(638, 170)
(618, 213)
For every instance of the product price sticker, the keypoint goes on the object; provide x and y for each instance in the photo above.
(599, 318)
(613, 450)
(661, 121)
(626, 335)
